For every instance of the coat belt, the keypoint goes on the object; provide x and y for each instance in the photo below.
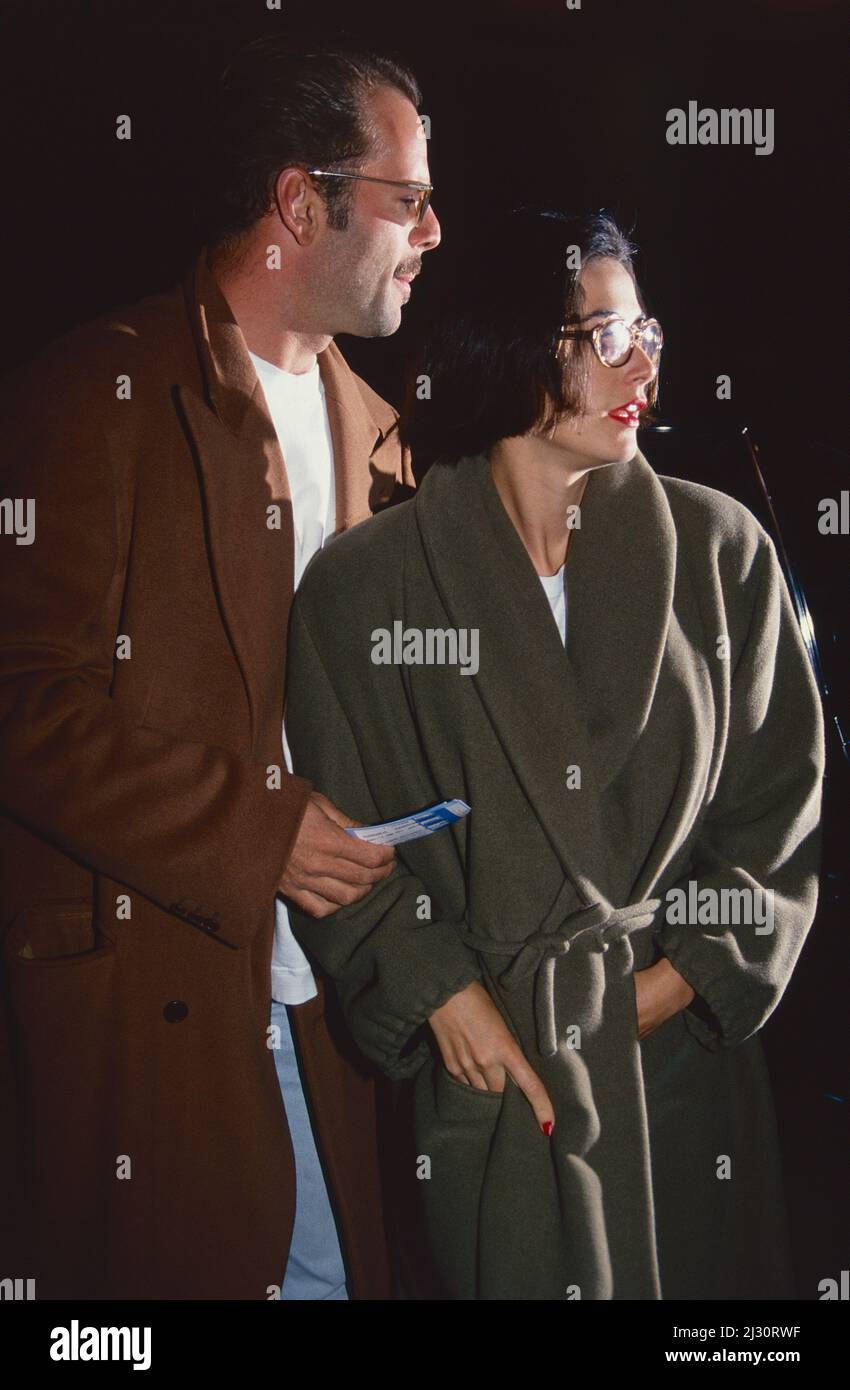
(597, 922)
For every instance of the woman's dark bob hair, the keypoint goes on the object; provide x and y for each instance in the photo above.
(488, 367)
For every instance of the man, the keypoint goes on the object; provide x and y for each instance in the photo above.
(182, 460)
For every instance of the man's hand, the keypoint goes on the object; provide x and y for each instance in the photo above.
(328, 869)
(660, 992)
(478, 1049)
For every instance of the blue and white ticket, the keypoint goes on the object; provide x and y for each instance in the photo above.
(427, 822)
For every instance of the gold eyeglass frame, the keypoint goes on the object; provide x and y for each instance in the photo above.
(635, 330)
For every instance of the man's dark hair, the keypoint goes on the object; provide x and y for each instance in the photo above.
(286, 100)
(490, 350)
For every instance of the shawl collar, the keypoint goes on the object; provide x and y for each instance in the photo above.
(588, 705)
(242, 473)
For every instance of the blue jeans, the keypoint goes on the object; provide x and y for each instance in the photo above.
(314, 1269)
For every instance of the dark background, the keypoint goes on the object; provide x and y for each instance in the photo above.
(743, 258)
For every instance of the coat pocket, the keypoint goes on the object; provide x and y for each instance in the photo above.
(51, 933)
(447, 1104)
(57, 965)
(59, 976)
(454, 1128)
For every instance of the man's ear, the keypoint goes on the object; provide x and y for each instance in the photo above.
(299, 205)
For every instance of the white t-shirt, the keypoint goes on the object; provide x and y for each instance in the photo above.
(556, 593)
(299, 413)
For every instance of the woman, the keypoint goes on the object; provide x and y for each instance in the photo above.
(574, 976)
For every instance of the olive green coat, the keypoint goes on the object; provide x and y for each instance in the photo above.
(699, 760)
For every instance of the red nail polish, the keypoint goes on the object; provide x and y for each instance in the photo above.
(547, 1127)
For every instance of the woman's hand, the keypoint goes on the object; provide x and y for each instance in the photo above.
(479, 1050)
(660, 992)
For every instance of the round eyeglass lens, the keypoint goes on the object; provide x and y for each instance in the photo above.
(651, 341)
(615, 343)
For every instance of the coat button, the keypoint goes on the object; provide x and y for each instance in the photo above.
(175, 1011)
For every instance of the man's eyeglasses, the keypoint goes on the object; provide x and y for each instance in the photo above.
(614, 340)
(423, 190)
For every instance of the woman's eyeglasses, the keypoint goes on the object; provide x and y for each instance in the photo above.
(423, 190)
(614, 340)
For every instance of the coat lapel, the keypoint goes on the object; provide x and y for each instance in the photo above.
(554, 709)
(357, 437)
(243, 474)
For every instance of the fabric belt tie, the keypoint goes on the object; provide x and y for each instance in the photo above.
(539, 952)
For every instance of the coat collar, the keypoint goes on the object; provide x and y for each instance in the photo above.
(243, 473)
(585, 706)
(232, 390)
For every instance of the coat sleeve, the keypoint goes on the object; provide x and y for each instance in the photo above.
(761, 830)
(392, 969)
(188, 825)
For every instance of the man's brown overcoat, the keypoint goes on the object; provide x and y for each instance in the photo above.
(675, 747)
(146, 1153)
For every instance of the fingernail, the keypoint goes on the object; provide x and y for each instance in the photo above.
(547, 1127)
